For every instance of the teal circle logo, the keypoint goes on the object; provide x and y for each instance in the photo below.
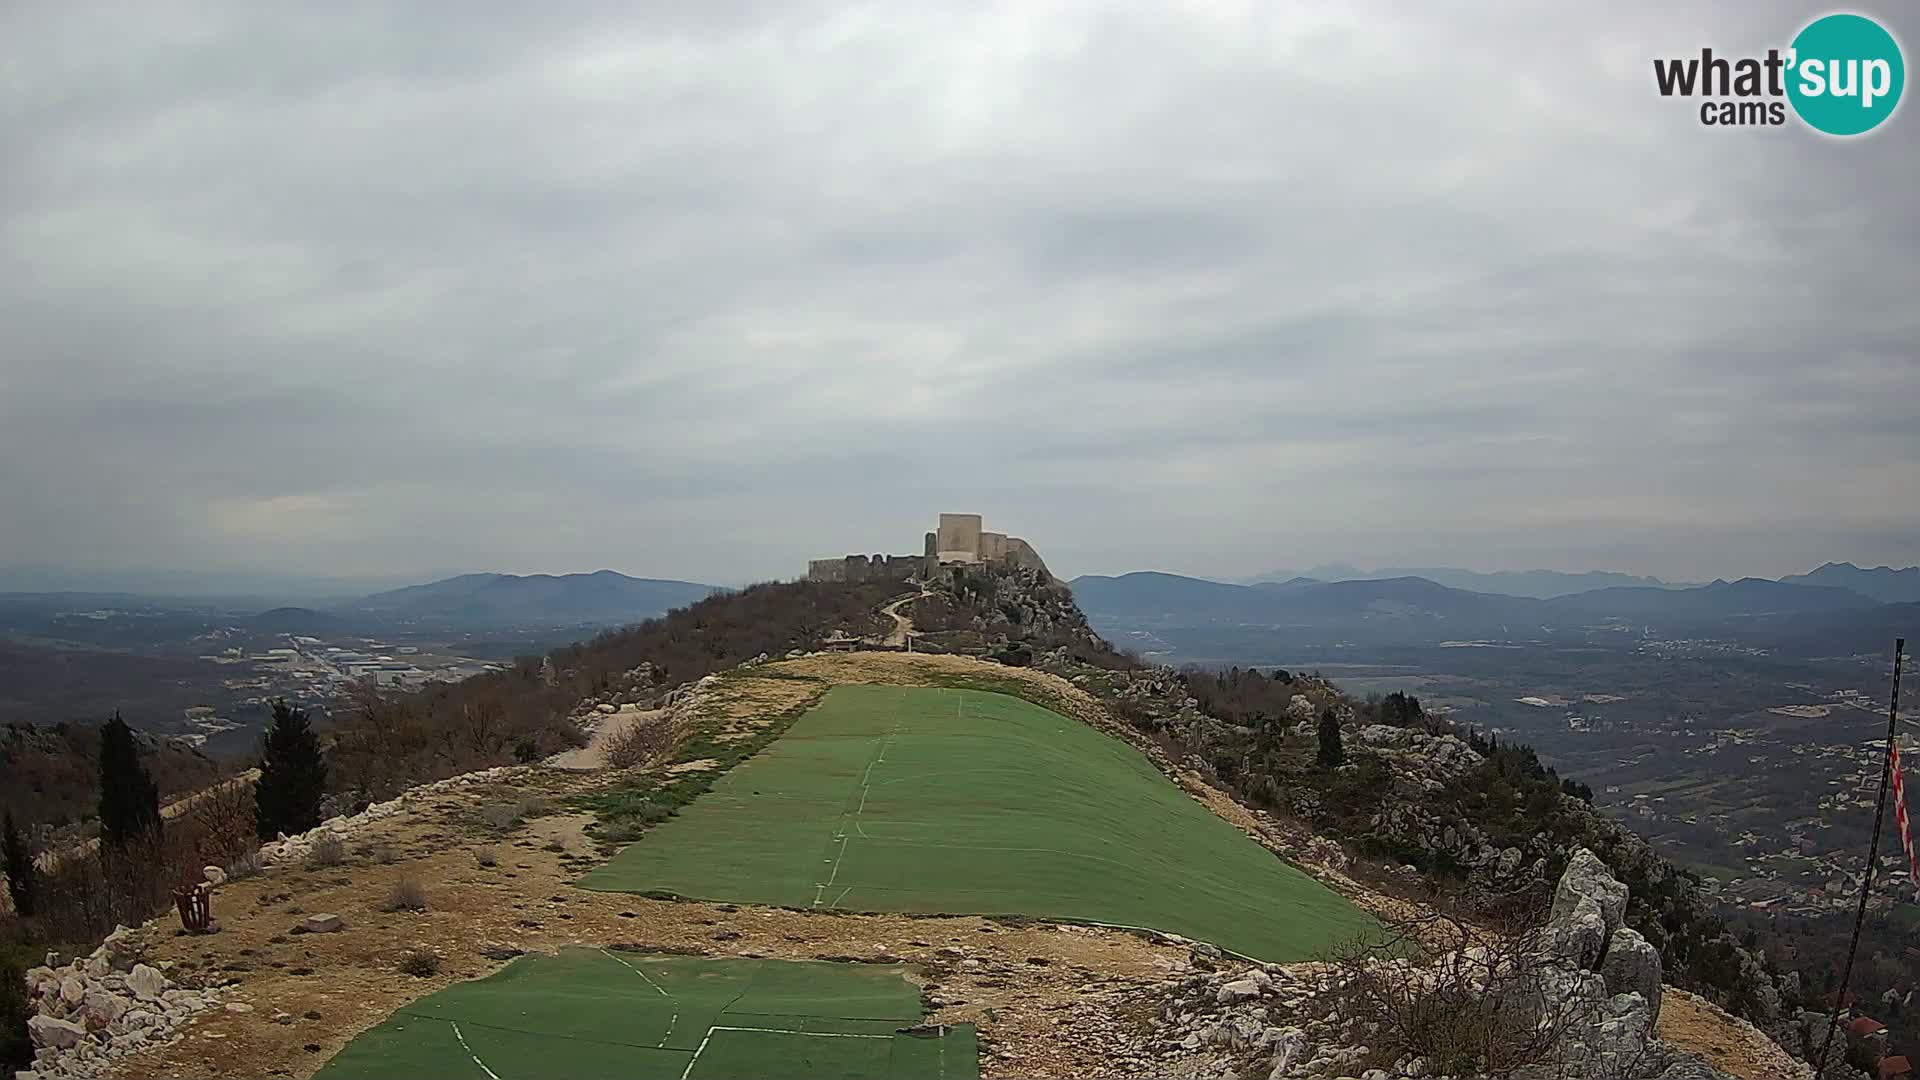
(1846, 74)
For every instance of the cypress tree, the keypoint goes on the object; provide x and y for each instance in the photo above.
(293, 775)
(22, 876)
(1332, 754)
(129, 799)
(16, 1041)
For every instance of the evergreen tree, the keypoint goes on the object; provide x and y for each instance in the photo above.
(293, 775)
(129, 799)
(22, 876)
(1332, 754)
(16, 1041)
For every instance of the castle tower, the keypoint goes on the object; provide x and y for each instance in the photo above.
(958, 538)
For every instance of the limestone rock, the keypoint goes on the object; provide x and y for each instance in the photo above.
(215, 876)
(1632, 966)
(1579, 937)
(124, 948)
(104, 1008)
(58, 1034)
(1237, 990)
(324, 923)
(146, 982)
(1586, 876)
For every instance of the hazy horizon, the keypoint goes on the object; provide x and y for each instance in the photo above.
(703, 290)
(160, 581)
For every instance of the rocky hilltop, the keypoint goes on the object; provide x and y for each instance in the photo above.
(1526, 937)
(1577, 996)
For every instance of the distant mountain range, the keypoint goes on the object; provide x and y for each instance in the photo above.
(1883, 583)
(1539, 584)
(603, 597)
(1413, 608)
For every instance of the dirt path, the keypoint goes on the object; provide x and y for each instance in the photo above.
(1729, 1044)
(594, 754)
(902, 624)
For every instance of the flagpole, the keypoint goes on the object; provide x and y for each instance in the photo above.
(1873, 853)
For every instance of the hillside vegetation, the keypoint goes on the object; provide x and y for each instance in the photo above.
(53, 772)
(384, 743)
(1483, 828)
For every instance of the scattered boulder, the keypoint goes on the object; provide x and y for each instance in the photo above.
(215, 876)
(324, 923)
(123, 949)
(55, 1034)
(146, 982)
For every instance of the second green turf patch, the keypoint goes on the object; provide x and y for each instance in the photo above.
(588, 1013)
(915, 799)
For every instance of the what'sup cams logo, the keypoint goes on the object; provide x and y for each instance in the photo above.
(1842, 76)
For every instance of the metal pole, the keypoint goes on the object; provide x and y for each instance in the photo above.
(1873, 854)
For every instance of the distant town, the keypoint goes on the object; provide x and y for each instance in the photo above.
(310, 671)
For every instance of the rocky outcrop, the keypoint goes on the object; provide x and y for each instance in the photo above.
(89, 1013)
(1577, 998)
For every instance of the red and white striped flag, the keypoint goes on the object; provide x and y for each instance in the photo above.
(1900, 816)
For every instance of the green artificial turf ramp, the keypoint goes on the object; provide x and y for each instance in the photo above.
(888, 798)
(587, 1014)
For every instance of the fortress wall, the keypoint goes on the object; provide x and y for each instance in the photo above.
(1021, 553)
(863, 568)
(826, 570)
(959, 539)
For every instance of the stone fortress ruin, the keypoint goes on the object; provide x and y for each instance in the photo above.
(958, 540)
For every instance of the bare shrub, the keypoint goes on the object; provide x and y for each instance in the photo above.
(500, 817)
(420, 962)
(485, 857)
(245, 865)
(74, 904)
(532, 807)
(381, 853)
(1467, 1000)
(642, 743)
(328, 850)
(220, 823)
(407, 895)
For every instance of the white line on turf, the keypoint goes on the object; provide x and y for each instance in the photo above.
(470, 1053)
(866, 785)
(688, 1071)
(672, 1020)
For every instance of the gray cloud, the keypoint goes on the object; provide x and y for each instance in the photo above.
(704, 289)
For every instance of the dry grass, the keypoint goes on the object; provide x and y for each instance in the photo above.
(328, 850)
(247, 864)
(1465, 1000)
(641, 743)
(407, 895)
(420, 962)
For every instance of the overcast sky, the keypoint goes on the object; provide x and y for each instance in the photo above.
(704, 289)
